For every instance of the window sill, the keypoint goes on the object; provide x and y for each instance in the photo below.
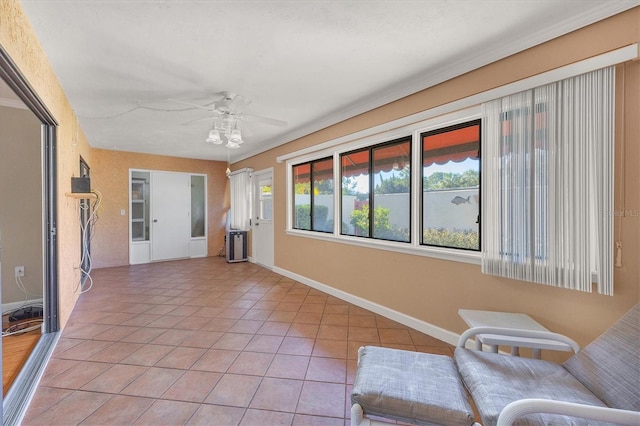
(406, 248)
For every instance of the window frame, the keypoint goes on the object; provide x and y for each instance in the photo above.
(371, 177)
(437, 131)
(292, 210)
(391, 133)
(262, 200)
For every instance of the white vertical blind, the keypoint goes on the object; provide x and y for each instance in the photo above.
(240, 191)
(547, 183)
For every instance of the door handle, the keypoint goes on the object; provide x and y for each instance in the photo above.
(155, 220)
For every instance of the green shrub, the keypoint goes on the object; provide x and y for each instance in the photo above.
(465, 238)
(382, 229)
(303, 217)
(320, 218)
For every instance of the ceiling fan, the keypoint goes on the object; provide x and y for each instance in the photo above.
(231, 104)
(227, 110)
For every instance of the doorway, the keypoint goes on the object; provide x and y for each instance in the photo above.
(262, 223)
(20, 238)
(34, 272)
(170, 216)
(167, 216)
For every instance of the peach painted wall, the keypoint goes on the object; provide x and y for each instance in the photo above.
(20, 43)
(110, 175)
(433, 290)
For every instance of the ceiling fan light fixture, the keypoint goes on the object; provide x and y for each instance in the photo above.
(232, 145)
(214, 137)
(235, 136)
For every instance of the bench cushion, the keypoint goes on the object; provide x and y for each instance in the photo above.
(610, 365)
(410, 386)
(495, 380)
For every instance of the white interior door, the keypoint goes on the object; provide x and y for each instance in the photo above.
(170, 215)
(262, 220)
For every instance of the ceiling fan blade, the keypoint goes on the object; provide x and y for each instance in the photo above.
(193, 105)
(265, 120)
(246, 131)
(196, 119)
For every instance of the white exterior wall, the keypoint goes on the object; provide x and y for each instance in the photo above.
(440, 212)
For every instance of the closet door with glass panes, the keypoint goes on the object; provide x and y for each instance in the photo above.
(167, 216)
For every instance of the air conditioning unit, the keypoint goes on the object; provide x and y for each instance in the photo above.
(236, 246)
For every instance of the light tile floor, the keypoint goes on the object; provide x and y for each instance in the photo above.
(206, 342)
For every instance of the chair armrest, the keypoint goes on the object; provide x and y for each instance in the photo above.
(523, 407)
(516, 332)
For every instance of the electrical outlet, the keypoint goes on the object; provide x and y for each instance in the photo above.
(19, 271)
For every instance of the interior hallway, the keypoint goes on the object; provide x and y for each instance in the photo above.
(203, 341)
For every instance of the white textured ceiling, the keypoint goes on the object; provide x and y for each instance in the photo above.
(310, 63)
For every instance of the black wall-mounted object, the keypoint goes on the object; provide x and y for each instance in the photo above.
(80, 184)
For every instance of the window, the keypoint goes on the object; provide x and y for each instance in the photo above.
(451, 186)
(549, 190)
(265, 200)
(376, 191)
(567, 242)
(523, 170)
(240, 190)
(198, 206)
(313, 195)
(140, 205)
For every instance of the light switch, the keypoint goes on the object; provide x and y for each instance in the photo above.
(122, 212)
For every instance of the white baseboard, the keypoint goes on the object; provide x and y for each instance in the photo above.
(6, 307)
(270, 268)
(422, 326)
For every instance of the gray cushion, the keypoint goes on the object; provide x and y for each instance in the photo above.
(495, 380)
(410, 386)
(610, 365)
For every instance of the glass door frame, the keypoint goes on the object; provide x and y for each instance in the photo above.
(15, 403)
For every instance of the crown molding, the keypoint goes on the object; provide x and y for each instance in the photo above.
(455, 69)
